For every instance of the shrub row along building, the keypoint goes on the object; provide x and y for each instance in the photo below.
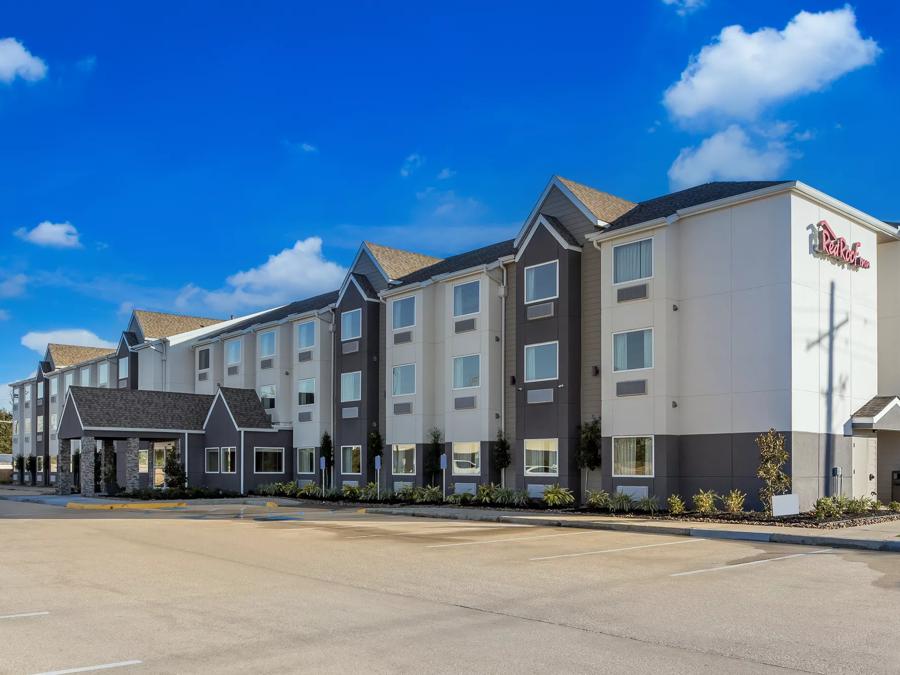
(687, 324)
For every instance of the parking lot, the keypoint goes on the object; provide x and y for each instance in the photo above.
(229, 588)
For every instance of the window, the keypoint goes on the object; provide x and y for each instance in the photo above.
(467, 371)
(54, 386)
(27, 425)
(542, 362)
(467, 298)
(123, 368)
(403, 459)
(227, 460)
(466, 458)
(633, 457)
(268, 460)
(212, 460)
(103, 374)
(351, 386)
(40, 424)
(306, 460)
(267, 396)
(143, 461)
(633, 350)
(404, 312)
(233, 352)
(53, 463)
(542, 457)
(542, 282)
(351, 459)
(27, 393)
(267, 344)
(39, 464)
(69, 378)
(84, 377)
(306, 391)
(40, 390)
(306, 335)
(633, 261)
(54, 422)
(203, 359)
(404, 380)
(351, 325)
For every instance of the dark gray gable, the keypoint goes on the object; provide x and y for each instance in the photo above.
(245, 407)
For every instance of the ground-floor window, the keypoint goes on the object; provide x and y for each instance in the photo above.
(53, 463)
(39, 463)
(306, 460)
(351, 459)
(143, 461)
(633, 456)
(466, 458)
(212, 460)
(227, 460)
(268, 460)
(403, 459)
(541, 457)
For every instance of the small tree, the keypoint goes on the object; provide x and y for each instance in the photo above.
(376, 448)
(19, 467)
(174, 470)
(109, 478)
(31, 467)
(432, 459)
(326, 447)
(501, 456)
(588, 451)
(772, 458)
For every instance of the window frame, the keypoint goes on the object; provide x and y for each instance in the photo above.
(297, 460)
(230, 449)
(453, 298)
(351, 400)
(355, 337)
(394, 326)
(274, 395)
(525, 459)
(393, 380)
(84, 373)
(68, 379)
(103, 366)
(127, 361)
(525, 363)
(453, 386)
(259, 336)
(406, 446)
(652, 261)
(265, 448)
(54, 386)
(54, 421)
(351, 473)
(206, 456)
(240, 350)
(652, 473)
(40, 390)
(200, 360)
(468, 472)
(306, 379)
(555, 296)
(652, 350)
(301, 324)
(145, 453)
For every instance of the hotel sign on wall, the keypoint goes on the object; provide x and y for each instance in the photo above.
(837, 248)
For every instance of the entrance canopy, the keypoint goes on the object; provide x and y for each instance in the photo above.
(882, 413)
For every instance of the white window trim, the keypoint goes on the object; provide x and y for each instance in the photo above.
(275, 397)
(256, 451)
(208, 350)
(652, 438)
(119, 377)
(652, 350)
(259, 336)
(206, 452)
(103, 383)
(394, 471)
(394, 302)
(525, 362)
(453, 299)
(81, 376)
(393, 368)
(222, 452)
(300, 347)
(297, 460)
(351, 473)
(453, 371)
(356, 337)
(351, 400)
(525, 455)
(240, 345)
(454, 472)
(652, 261)
(54, 385)
(525, 282)
(314, 393)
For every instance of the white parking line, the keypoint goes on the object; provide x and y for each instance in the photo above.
(748, 564)
(87, 669)
(500, 541)
(616, 550)
(22, 616)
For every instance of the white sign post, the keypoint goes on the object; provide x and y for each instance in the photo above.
(322, 469)
(444, 474)
(378, 475)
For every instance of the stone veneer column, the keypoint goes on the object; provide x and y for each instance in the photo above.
(88, 448)
(132, 470)
(107, 458)
(64, 468)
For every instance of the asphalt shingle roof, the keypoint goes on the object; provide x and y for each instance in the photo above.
(70, 355)
(246, 408)
(874, 406)
(161, 325)
(462, 261)
(297, 307)
(140, 408)
(605, 206)
(397, 263)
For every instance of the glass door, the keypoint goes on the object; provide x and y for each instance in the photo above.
(159, 451)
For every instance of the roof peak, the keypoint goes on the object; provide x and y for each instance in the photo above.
(396, 262)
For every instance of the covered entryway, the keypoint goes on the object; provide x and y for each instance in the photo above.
(880, 419)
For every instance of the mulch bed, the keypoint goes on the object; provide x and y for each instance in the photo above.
(756, 518)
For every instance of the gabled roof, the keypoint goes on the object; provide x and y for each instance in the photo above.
(368, 290)
(101, 408)
(604, 206)
(556, 229)
(63, 356)
(462, 261)
(875, 406)
(314, 303)
(245, 407)
(397, 263)
(156, 325)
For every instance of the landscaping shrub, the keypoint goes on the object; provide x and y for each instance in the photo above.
(460, 498)
(503, 496)
(734, 501)
(501, 456)
(875, 505)
(675, 504)
(369, 493)
(174, 471)
(858, 506)
(520, 498)
(407, 494)
(705, 502)
(556, 495)
(825, 508)
(648, 504)
(619, 501)
(894, 506)
(180, 493)
(350, 492)
(587, 451)
(597, 499)
(772, 458)
(309, 490)
(486, 493)
(429, 495)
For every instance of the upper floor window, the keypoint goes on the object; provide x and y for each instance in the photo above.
(404, 380)
(40, 424)
(70, 377)
(542, 282)
(351, 386)
(40, 390)
(404, 312)
(233, 352)
(84, 377)
(27, 393)
(306, 335)
(467, 298)
(54, 386)
(266, 344)
(467, 371)
(633, 350)
(103, 374)
(351, 324)
(306, 391)
(54, 421)
(203, 359)
(123, 368)
(633, 261)
(542, 362)
(267, 396)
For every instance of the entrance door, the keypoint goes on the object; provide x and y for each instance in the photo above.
(159, 450)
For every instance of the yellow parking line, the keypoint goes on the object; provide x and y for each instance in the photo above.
(140, 507)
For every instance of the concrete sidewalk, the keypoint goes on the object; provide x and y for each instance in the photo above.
(880, 537)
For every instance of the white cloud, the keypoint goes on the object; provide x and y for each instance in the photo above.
(411, 163)
(38, 341)
(4, 315)
(301, 148)
(16, 61)
(446, 173)
(740, 74)
(292, 274)
(728, 155)
(55, 235)
(685, 7)
(12, 286)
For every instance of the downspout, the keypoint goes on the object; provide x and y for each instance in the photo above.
(242, 461)
(333, 357)
(187, 453)
(503, 294)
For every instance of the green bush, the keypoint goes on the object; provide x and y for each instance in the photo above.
(503, 496)
(619, 501)
(894, 506)
(429, 495)
(486, 493)
(180, 493)
(370, 492)
(597, 499)
(407, 494)
(520, 498)
(826, 508)
(174, 471)
(875, 505)
(705, 502)
(734, 501)
(648, 504)
(460, 498)
(858, 506)
(675, 504)
(309, 490)
(556, 495)
(350, 492)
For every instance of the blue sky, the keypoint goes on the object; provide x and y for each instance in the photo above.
(212, 158)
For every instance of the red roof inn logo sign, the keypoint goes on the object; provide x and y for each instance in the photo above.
(837, 248)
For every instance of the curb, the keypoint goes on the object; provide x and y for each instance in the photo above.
(128, 505)
(734, 535)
